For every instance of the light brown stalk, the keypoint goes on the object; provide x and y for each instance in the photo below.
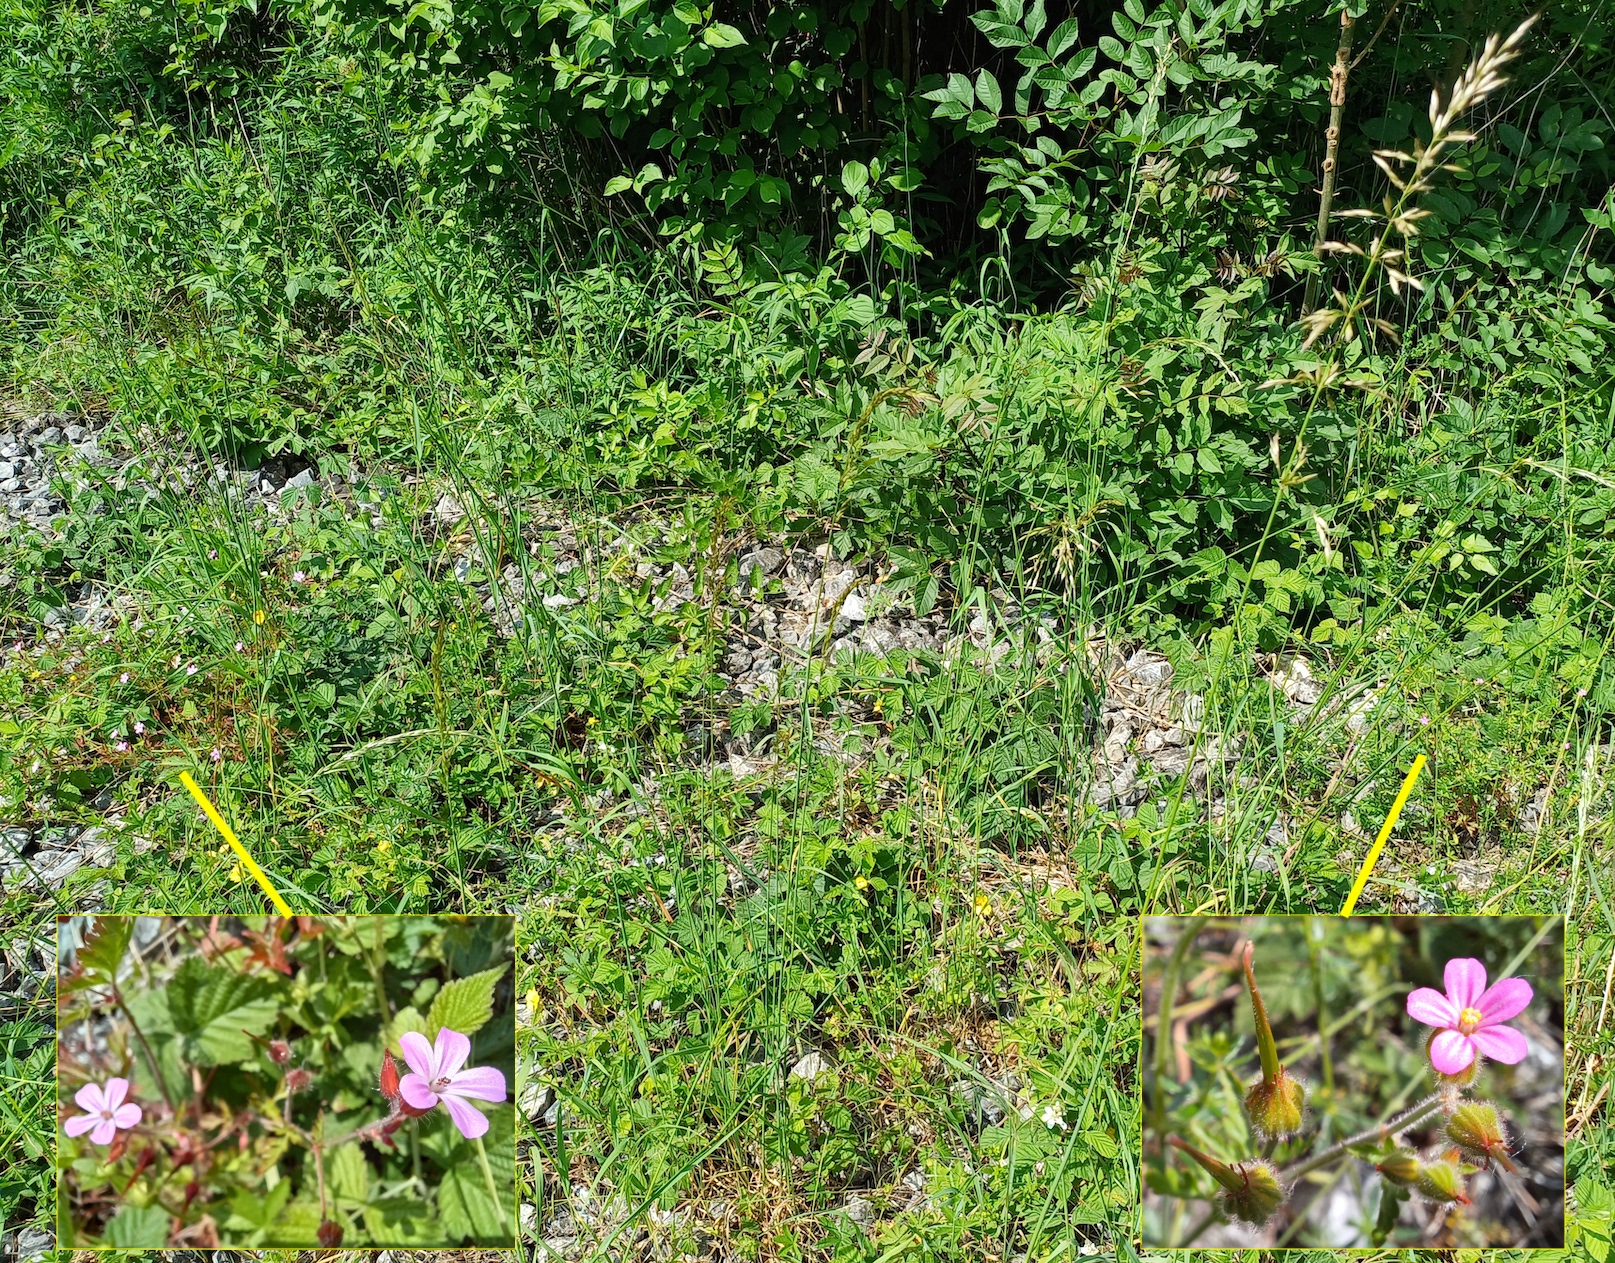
(1331, 143)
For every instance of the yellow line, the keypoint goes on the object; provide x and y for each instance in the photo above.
(1385, 832)
(230, 837)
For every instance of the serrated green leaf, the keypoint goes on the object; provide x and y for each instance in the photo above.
(104, 947)
(347, 1175)
(465, 1004)
(138, 1228)
(406, 1019)
(214, 1009)
(1101, 1143)
(402, 1221)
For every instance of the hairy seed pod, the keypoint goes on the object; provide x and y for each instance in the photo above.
(1401, 1167)
(330, 1234)
(1275, 1108)
(1441, 1181)
(1477, 1131)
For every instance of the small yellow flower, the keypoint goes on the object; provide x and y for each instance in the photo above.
(237, 873)
(982, 904)
(532, 1000)
(386, 844)
(258, 617)
(861, 882)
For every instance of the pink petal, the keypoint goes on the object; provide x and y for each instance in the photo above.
(1451, 1052)
(1466, 979)
(90, 1098)
(452, 1050)
(127, 1115)
(467, 1117)
(105, 1130)
(415, 1091)
(483, 1083)
(1506, 998)
(1429, 1006)
(80, 1123)
(117, 1091)
(1501, 1043)
(418, 1053)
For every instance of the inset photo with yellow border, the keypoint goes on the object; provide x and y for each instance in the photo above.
(302, 1081)
(1353, 1082)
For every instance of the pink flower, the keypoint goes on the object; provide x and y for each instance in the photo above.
(438, 1079)
(240, 645)
(123, 745)
(124, 678)
(190, 668)
(215, 756)
(140, 727)
(105, 1111)
(1468, 1019)
(212, 554)
(297, 576)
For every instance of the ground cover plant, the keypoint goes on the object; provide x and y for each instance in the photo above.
(286, 1081)
(1373, 1110)
(827, 511)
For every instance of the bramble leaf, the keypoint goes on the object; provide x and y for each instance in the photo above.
(465, 1004)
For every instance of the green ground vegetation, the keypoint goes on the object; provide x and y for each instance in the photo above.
(1019, 310)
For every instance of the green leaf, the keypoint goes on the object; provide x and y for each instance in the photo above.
(466, 1210)
(1063, 37)
(987, 92)
(104, 948)
(402, 1221)
(406, 1019)
(854, 178)
(465, 1004)
(618, 184)
(346, 1174)
(215, 1009)
(138, 1227)
(1101, 1143)
(722, 35)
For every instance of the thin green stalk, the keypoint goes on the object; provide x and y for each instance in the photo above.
(151, 1059)
(1163, 1021)
(487, 1176)
(1422, 1112)
(1314, 940)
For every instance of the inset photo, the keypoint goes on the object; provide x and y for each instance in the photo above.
(1353, 1082)
(309, 1081)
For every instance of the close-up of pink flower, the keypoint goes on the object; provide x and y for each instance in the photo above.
(1468, 1019)
(438, 1079)
(105, 1110)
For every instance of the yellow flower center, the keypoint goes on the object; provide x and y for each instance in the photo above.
(1468, 1021)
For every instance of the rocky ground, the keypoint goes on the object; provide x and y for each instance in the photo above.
(785, 607)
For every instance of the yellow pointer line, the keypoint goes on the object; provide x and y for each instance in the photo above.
(230, 837)
(1385, 832)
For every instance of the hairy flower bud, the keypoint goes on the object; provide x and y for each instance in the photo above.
(1402, 1167)
(389, 1076)
(1477, 1131)
(1441, 1181)
(1275, 1109)
(1251, 1189)
(297, 1080)
(280, 1052)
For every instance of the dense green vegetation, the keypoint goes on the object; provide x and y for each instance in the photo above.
(1017, 311)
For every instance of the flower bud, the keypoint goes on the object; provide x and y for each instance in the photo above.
(1261, 1195)
(1275, 1108)
(1401, 1167)
(297, 1080)
(1440, 1181)
(280, 1052)
(389, 1076)
(330, 1234)
(1251, 1189)
(1477, 1131)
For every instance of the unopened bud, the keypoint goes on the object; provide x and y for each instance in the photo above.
(1440, 1181)
(280, 1052)
(1251, 1189)
(389, 1076)
(297, 1080)
(330, 1234)
(1401, 1167)
(1477, 1131)
(1275, 1109)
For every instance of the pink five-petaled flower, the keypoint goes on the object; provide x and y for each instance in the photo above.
(1468, 1019)
(438, 1079)
(104, 1110)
